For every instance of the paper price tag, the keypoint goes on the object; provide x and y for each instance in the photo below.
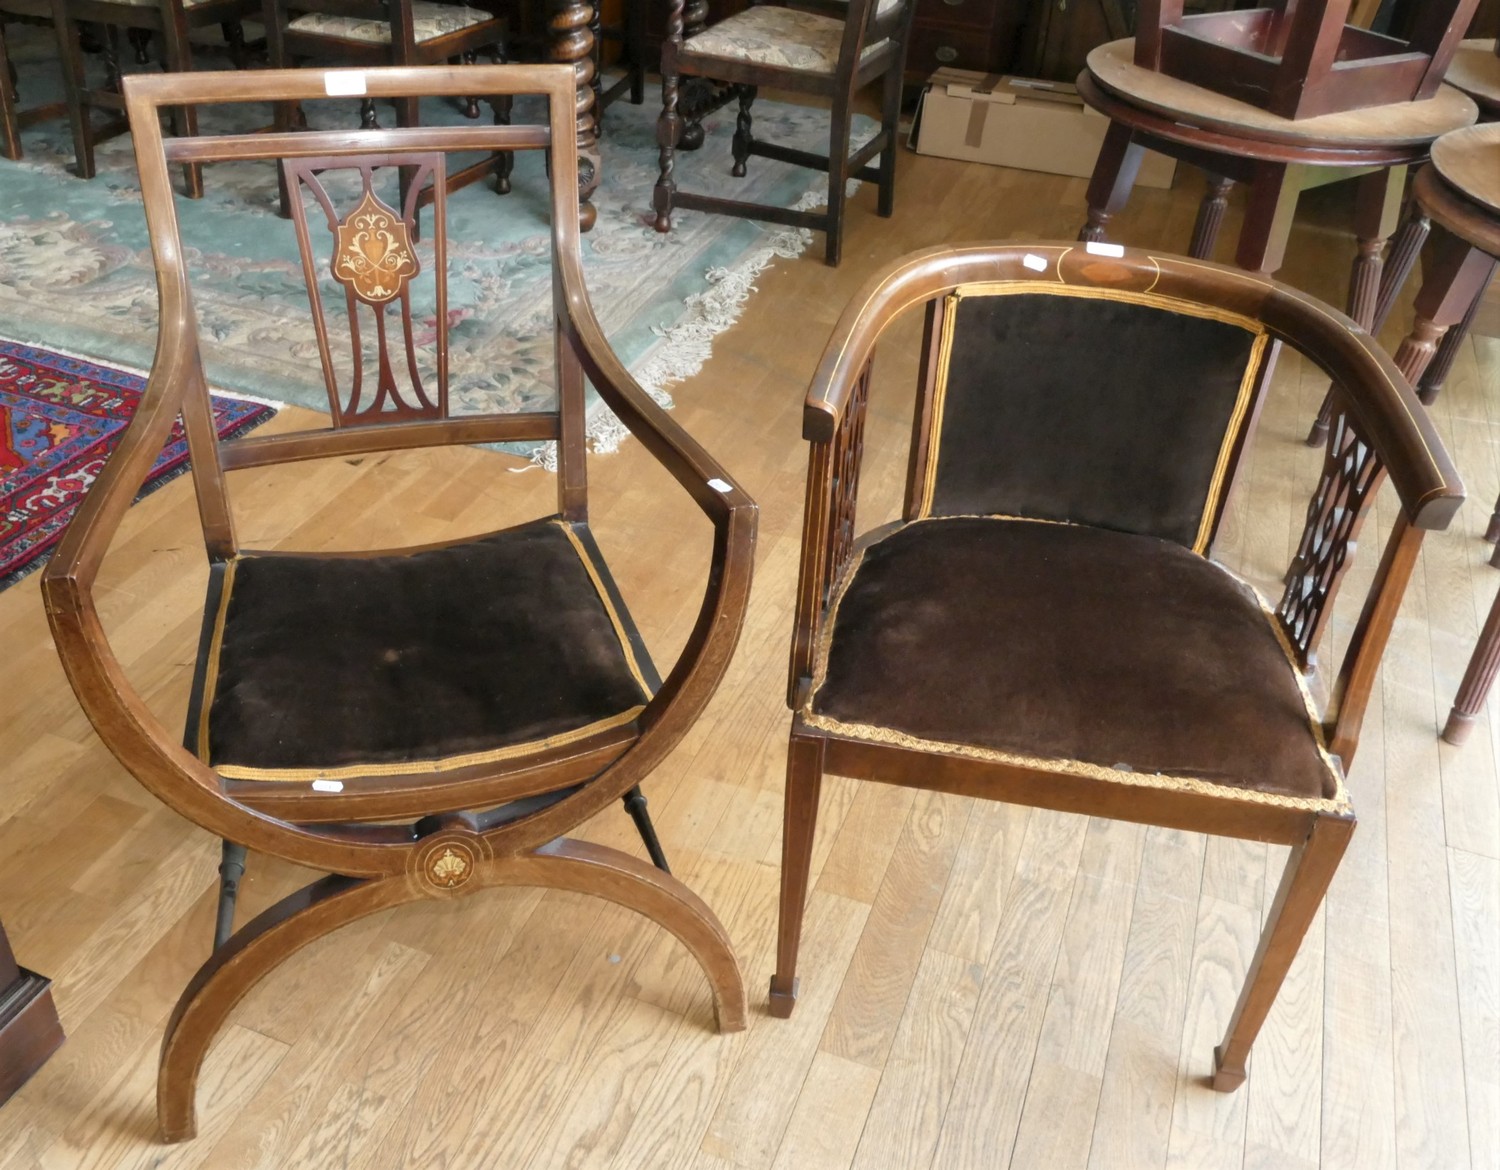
(1094, 249)
(328, 786)
(344, 83)
(1034, 262)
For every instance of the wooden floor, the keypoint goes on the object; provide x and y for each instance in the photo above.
(982, 986)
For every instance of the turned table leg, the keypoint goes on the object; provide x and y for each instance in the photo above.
(1114, 176)
(1210, 217)
(1457, 277)
(1376, 212)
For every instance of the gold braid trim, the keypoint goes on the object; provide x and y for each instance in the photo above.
(1339, 802)
(1253, 365)
(429, 767)
(211, 668)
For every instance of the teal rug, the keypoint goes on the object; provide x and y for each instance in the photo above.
(76, 272)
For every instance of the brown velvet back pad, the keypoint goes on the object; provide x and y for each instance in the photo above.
(1096, 411)
(331, 661)
(1061, 642)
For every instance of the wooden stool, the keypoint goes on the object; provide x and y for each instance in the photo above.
(1459, 195)
(1277, 157)
(1475, 71)
(1299, 58)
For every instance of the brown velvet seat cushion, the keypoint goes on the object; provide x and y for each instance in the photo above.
(337, 663)
(1070, 643)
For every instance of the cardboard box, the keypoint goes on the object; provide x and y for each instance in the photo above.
(1018, 122)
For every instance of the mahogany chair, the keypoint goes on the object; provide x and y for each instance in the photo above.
(169, 23)
(1044, 624)
(14, 117)
(806, 52)
(366, 33)
(1300, 58)
(422, 722)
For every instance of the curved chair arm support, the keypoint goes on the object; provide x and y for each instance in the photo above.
(696, 674)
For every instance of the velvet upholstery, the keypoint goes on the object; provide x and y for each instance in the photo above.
(1101, 412)
(1057, 642)
(326, 662)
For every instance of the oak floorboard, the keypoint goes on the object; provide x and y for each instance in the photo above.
(496, 1031)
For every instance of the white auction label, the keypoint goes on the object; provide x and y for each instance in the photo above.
(1094, 249)
(344, 82)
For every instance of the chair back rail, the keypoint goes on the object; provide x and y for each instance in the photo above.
(177, 386)
(1381, 429)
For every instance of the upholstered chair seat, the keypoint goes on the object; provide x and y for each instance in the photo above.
(780, 37)
(429, 21)
(1124, 658)
(328, 667)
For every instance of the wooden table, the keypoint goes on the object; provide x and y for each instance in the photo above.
(1476, 71)
(1277, 158)
(1459, 196)
(29, 1030)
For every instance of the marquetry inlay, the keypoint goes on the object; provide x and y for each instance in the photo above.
(374, 257)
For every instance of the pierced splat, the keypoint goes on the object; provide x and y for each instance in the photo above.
(1352, 473)
(374, 259)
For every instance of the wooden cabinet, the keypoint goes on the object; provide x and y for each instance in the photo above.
(965, 34)
(29, 1031)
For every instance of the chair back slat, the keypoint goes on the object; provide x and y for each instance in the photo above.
(374, 258)
(1122, 411)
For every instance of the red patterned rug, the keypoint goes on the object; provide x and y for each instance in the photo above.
(60, 417)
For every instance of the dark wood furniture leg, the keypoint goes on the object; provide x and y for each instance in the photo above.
(804, 782)
(1274, 190)
(29, 1028)
(1377, 210)
(1114, 176)
(1309, 869)
(569, 24)
(1457, 278)
(1210, 217)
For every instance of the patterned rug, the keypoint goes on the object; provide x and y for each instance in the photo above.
(75, 272)
(60, 417)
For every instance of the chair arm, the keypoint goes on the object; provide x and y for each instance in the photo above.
(699, 473)
(833, 467)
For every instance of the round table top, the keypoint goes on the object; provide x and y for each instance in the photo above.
(1469, 162)
(1476, 70)
(1113, 67)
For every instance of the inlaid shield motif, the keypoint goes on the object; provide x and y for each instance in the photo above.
(374, 257)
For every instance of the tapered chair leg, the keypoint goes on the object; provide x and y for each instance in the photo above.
(804, 781)
(231, 869)
(1309, 870)
(635, 805)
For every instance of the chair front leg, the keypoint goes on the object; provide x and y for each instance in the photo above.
(667, 127)
(1309, 870)
(804, 782)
